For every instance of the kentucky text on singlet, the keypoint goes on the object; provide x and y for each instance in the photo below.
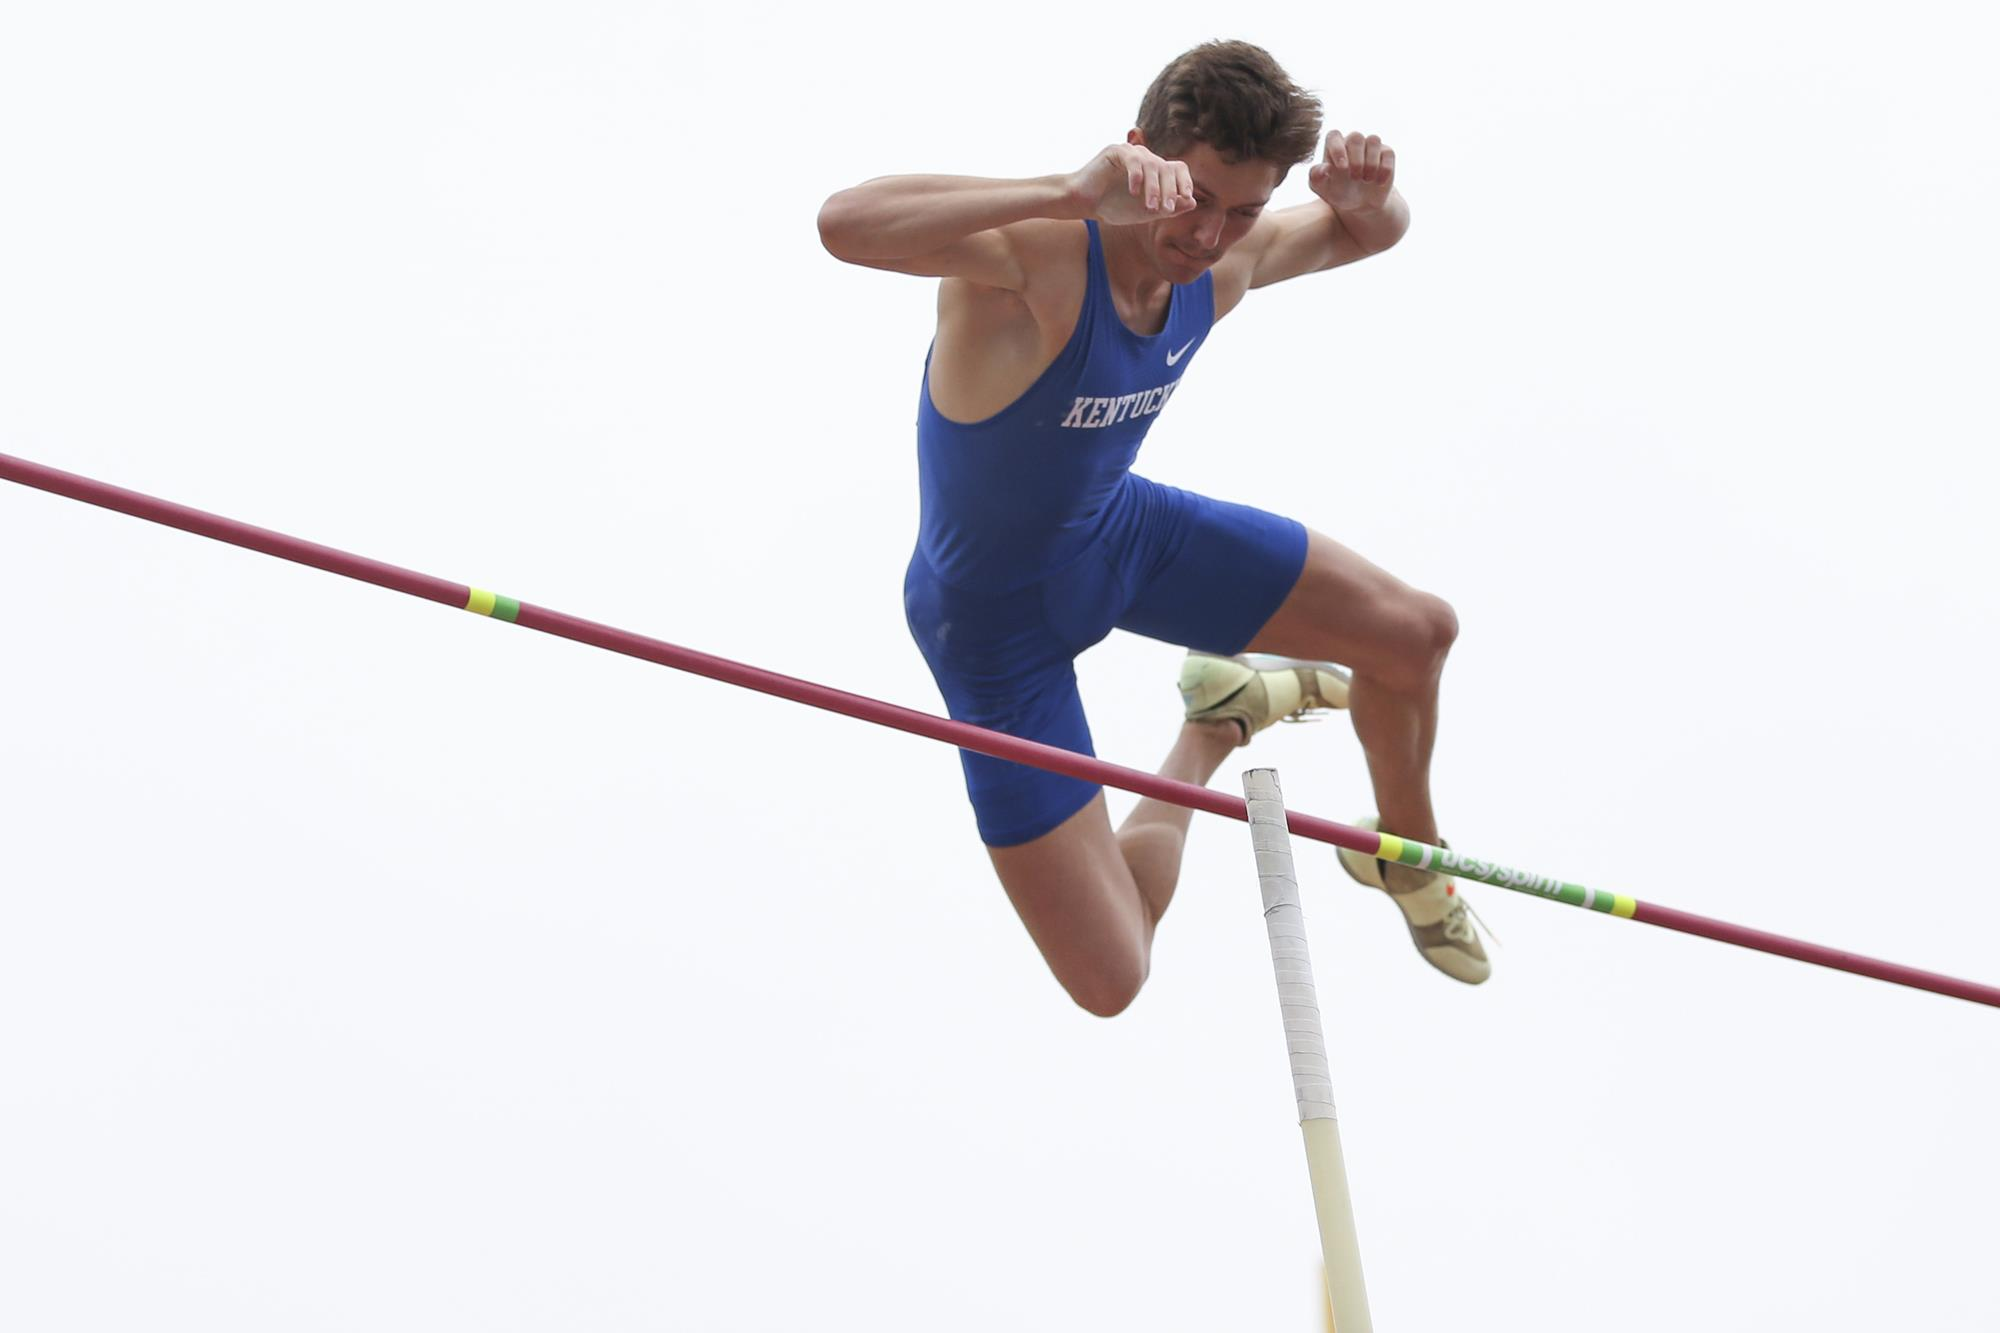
(1010, 500)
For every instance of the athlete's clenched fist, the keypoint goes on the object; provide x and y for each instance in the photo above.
(1355, 172)
(1129, 183)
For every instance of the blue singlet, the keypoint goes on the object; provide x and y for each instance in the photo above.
(1036, 540)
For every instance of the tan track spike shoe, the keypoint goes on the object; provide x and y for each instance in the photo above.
(1439, 923)
(1254, 690)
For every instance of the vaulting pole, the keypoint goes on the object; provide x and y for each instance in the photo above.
(1032, 753)
(1305, 1042)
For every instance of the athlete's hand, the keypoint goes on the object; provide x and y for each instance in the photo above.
(1355, 173)
(1129, 183)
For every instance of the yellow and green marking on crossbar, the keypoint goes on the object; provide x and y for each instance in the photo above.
(485, 603)
(1405, 851)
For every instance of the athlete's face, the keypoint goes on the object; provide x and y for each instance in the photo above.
(1229, 197)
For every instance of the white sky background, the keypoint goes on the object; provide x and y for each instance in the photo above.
(369, 966)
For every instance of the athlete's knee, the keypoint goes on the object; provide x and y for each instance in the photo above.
(1107, 986)
(1439, 628)
(1423, 628)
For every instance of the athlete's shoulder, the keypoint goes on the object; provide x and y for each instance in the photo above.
(1051, 240)
(1051, 255)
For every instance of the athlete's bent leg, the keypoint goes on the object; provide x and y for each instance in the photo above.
(1091, 898)
(1154, 835)
(1394, 639)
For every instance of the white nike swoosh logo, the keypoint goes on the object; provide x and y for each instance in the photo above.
(1175, 356)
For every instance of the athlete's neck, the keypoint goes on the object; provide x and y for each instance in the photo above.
(1137, 285)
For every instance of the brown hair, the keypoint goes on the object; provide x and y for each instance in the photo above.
(1235, 98)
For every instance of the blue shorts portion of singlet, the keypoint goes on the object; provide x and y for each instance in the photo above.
(1163, 562)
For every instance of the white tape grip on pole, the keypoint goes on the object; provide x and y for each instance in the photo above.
(1285, 923)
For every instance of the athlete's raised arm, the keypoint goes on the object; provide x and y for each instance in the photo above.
(958, 226)
(1358, 213)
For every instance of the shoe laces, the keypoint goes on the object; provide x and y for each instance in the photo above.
(1311, 707)
(1457, 928)
(1307, 713)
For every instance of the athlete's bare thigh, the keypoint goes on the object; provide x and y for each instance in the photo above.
(1075, 895)
(1346, 609)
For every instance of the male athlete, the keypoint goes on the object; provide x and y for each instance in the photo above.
(1069, 309)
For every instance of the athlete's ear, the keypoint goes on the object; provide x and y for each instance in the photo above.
(1133, 136)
